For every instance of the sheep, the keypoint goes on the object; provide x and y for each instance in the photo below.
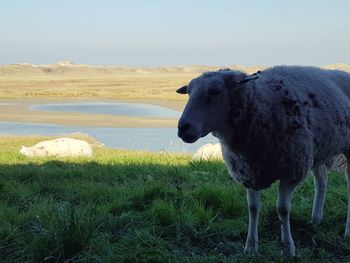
(208, 151)
(276, 124)
(61, 147)
(212, 151)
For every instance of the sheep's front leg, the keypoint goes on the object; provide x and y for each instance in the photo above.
(284, 201)
(320, 182)
(253, 198)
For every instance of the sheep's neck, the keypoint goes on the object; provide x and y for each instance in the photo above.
(240, 117)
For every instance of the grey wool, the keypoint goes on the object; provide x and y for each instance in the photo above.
(286, 122)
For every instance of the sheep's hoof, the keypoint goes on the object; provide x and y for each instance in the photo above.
(251, 247)
(288, 250)
(316, 220)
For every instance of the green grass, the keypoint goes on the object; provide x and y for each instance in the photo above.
(124, 206)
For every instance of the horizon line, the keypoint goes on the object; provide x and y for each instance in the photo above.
(72, 64)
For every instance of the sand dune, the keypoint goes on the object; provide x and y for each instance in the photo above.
(69, 68)
(339, 66)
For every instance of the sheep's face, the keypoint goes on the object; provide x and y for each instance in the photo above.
(207, 108)
(26, 151)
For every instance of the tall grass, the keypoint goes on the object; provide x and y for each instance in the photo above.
(124, 206)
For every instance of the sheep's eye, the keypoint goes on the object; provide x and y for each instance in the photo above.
(210, 97)
(214, 90)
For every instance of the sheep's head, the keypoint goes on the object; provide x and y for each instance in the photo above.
(26, 151)
(209, 103)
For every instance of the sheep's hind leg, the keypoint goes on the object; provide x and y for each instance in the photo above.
(284, 201)
(253, 198)
(320, 182)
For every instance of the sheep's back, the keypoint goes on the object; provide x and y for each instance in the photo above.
(322, 98)
(298, 117)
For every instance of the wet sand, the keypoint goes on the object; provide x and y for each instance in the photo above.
(19, 110)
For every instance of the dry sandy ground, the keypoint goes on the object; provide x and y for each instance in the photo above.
(18, 110)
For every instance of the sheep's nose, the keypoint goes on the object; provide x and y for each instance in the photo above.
(183, 126)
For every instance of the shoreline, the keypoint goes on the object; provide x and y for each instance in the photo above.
(17, 110)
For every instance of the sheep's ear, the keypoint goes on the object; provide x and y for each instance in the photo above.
(23, 150)
(242, 78)
(248, 78)
(182, 90)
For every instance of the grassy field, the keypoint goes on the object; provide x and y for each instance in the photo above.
(71, 81)
(126, 86)
(124, 206)
(67, 80)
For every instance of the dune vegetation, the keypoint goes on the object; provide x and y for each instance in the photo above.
(128, 86)
(68, 80)
(127, 206)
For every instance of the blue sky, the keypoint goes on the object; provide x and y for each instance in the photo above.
(156, 33)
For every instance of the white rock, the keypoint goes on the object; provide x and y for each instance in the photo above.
(61, 147)
(208, 152)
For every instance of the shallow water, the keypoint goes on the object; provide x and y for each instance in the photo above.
(149, 139)
(110, 108)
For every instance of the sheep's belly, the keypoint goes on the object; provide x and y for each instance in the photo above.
(252, 182)
(245, 175)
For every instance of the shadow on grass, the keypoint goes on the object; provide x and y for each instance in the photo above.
(147, 212)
